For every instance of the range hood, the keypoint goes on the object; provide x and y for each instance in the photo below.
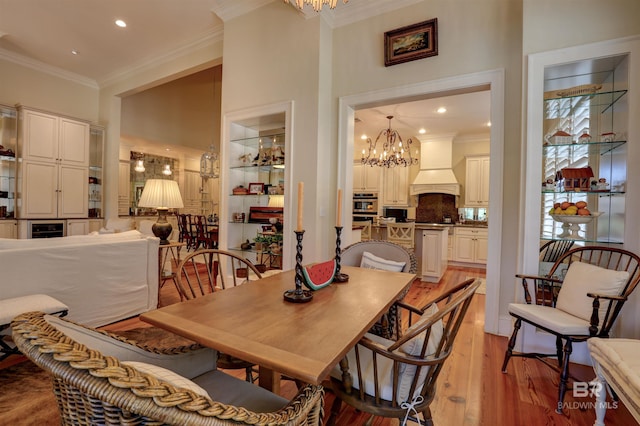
(436, 173)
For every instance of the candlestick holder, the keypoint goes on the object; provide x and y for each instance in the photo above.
(298, 295)
(339, 277)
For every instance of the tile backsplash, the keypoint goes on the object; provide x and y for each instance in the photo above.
(433, 208)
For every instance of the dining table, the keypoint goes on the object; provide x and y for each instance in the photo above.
(303, 341)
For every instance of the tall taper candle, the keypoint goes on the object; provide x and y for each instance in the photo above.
(300, 202)
(339, 214)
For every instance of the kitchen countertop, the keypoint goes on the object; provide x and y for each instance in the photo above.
(424, 225)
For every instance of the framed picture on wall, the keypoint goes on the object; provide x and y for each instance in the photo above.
(412, 42)
(256, 188)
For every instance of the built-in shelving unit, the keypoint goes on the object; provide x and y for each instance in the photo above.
(255, 181)
(593, 148)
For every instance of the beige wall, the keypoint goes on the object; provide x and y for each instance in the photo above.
(24, 85)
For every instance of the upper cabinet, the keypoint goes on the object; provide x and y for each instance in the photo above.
(395, 190)
(366, 178)
(54, 165)
(476, 188)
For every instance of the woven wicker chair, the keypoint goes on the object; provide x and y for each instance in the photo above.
(397, 378)
(95, 389)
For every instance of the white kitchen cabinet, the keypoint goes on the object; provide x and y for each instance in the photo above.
(395, 190)
(51, 190)
(54, 167)
(77, 227)
(366, 178)
(124, 188)
(476, 189)
(432, 245)
(8, 229)
(95, 225)
(470, 245)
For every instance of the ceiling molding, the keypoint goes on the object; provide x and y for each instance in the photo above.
(46, 68)
(229, 9)
(354, 11)
(170, 56)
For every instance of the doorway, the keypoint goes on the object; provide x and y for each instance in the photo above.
(492, 81)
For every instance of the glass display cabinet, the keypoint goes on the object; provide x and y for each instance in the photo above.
(8, 134)
(584, 153)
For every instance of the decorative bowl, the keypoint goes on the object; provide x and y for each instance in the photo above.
(574, 218)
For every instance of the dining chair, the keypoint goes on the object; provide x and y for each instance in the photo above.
(402, 234)
(552, 250)
(580, 298)
(365, 232)
(382, 255)
(184, 228)
(203, 237)
(397, 378)
(206, 271)
(120, 383)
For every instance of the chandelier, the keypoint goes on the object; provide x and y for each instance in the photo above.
(317, 4)
(209, 164)
(393, 152)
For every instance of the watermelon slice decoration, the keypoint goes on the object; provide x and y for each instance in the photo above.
(319, 275)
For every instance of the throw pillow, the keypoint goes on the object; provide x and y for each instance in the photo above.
(372, 261)
(167, 376)
(583, 278)
(414, 347)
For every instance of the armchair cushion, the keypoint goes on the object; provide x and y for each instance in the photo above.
(189, 364)
(167, 376)
(551, 318)
(583, 278)
(385, 365)
(372, 261)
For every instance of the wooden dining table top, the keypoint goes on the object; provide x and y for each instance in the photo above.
(253, 322)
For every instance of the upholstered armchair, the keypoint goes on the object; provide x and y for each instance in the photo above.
(139, 387)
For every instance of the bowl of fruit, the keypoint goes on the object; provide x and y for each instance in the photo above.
(571, 215)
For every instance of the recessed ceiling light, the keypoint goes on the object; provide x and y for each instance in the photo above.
(488, 124)
(74, 52)
(121, 23)
(422, 131)
(442, 110)
(363, 137)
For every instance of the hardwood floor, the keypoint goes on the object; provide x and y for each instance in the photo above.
(472, 390)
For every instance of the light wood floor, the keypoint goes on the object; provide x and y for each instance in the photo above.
(472, 390)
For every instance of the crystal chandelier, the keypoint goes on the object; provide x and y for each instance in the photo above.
(317, 4)
(393, 152)
(209, 164)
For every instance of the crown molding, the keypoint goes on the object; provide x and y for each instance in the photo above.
(229, 9)
(126, 73)
(46, 68)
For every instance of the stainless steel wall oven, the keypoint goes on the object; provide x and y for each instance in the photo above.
(365, 206)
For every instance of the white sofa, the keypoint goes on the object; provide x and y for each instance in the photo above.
(102, 278)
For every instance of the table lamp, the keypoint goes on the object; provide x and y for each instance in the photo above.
(161, 194)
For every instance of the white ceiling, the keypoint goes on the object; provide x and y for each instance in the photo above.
(42, 34)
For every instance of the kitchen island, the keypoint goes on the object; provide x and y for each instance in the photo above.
(439, 243)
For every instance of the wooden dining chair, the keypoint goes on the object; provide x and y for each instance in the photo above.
(206, 271)
(397, 378)
(552, 250)
(365, 233)
(382, 255)
(402, 234)
(580, 298)
(184, 228)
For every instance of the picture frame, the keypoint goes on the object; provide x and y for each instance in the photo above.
(256, 188)
(412, 42)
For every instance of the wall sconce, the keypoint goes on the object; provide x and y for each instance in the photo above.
(167, 170)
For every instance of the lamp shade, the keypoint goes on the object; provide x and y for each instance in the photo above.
(161, 193)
